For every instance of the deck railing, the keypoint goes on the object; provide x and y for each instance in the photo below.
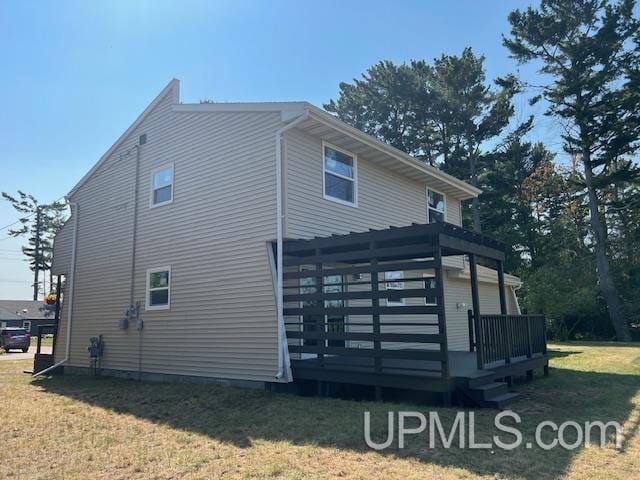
(507, 338)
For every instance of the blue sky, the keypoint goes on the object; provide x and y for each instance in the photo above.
(76, 74)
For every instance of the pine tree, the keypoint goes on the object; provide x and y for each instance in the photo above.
(39, 224)
(589, 49)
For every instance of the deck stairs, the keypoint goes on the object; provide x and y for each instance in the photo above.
(481, 388)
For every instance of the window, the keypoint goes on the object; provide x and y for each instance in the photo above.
(339, 169)
(435, 207)
(430, 282)
(158, 288)
(26, 324)
(394, 281)
(162, 186)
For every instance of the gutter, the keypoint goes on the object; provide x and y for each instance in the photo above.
(514, 289)
(283, 351)
(70, 286)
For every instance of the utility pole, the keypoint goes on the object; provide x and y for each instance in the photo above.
(36, 255)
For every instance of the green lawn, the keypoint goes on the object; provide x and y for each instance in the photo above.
(81, 427)
(47, 341)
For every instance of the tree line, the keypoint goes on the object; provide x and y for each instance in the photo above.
(572, 226)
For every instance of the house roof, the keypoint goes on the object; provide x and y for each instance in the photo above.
(8, 315)
(321, 124)
(23, 309)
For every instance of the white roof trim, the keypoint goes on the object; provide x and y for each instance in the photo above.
(174, 87)
(287, 110)
(324, 117)
(240, 107)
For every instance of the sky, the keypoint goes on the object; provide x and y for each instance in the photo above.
(77, 74)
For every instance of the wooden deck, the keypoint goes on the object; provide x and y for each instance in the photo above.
(416, 374)
(359, 309)
(461, 365)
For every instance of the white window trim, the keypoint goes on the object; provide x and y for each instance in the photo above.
(426, 276)
(354, 179)
(26, 324)
(148, 289)
(393, 303)
(173, 181)
(444, 201)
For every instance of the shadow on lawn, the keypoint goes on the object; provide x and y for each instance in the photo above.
(240, 416)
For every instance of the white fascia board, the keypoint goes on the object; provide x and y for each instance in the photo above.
(468, 191)
(174, 87)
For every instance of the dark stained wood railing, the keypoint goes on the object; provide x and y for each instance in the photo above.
(503, 339)
(343, 308)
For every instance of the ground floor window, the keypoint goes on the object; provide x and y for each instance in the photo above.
(158, 295)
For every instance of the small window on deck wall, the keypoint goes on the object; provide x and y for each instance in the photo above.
(339, 170)
(158, 290)
(162, 186)
(394, 281)
(435, 207)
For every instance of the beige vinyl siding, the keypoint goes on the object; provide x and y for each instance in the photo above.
(62, 249)
(385, 198)
(222, 320)
(458, 291)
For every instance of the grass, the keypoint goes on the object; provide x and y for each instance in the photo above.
(47, 341)
(82, 427)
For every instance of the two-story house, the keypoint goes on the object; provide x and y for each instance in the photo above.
(259, 243)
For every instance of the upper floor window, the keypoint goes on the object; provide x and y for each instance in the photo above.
(394, 281)
(162, 186)
(435, 207)
(158, 288)
(339, 170)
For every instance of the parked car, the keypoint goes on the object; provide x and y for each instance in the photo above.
(15, 338)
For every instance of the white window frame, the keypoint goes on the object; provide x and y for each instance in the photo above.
(354, 179)
(394, 303)
(148, 290)
(444, 202)
(153, 189)
(427, 276)
(26, 324)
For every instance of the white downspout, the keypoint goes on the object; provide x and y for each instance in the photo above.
(515, 298)
(70, 285)
(282, 346)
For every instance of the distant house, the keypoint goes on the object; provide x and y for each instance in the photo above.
(27, 314)
(268, 243)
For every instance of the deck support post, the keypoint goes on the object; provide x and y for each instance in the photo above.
(378, 389)
(446, 398)
(375, 318)
(475, 303)
(503, 300)
(546, 370)
(442, 321)
(321, 319)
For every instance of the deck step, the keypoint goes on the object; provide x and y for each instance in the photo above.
(478, 378)
(486, 392)
(501, 401)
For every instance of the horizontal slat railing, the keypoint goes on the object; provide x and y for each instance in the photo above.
(508, 338)
(343, 310)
